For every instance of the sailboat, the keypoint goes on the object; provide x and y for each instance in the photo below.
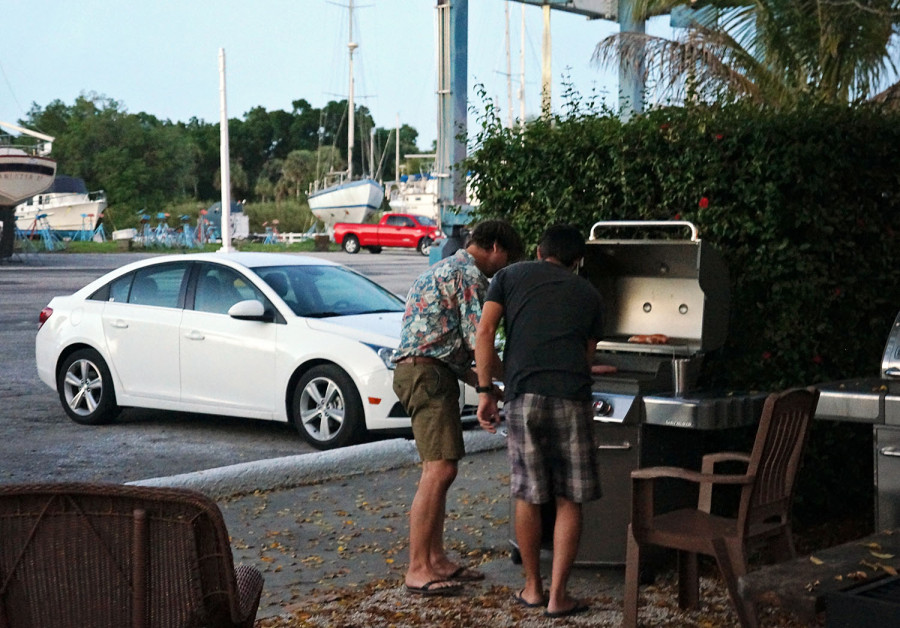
(25, 170)
(340, 197)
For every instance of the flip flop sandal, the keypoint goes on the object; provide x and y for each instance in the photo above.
(578, 608)
(465, 574)
(430, 588)
(521, 600)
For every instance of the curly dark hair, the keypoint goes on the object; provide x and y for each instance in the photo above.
(494, 231)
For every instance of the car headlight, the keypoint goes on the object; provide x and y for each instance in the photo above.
(385, 353)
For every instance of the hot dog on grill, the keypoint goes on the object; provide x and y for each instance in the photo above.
(650, 339)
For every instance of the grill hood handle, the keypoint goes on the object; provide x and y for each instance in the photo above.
(646, 223)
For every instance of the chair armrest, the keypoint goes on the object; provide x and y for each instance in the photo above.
(704, 500)
(710, 460)
(652, 473)
(643, 480)
(249, 585)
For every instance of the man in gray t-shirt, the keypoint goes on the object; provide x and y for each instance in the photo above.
(553, 322)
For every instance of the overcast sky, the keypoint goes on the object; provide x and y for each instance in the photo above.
(161, 56)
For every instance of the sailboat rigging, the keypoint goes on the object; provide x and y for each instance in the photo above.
(340, 197)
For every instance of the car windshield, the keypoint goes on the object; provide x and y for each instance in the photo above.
(323, 291)
(425, 221)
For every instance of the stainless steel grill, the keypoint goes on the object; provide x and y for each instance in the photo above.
(678, 288)
(876, 401)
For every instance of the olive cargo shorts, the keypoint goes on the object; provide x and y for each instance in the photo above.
(430, 394)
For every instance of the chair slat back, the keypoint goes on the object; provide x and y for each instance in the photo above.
(776, 456)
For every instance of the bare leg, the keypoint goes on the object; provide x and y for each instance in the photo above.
(426, 521)
(566, 535)
(528, 536)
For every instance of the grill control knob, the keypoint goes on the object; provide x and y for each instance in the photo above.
(602, 407)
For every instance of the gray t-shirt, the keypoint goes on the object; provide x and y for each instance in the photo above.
(550, 313)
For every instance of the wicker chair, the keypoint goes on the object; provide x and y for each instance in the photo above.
(764, 512)
(114, 556)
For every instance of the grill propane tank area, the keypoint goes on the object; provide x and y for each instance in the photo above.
(666, 304)
(876, 401)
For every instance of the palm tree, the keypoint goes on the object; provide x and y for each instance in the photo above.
(770, 51)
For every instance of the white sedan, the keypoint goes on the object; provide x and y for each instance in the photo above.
(257, 335)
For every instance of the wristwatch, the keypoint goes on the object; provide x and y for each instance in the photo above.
(484, 389)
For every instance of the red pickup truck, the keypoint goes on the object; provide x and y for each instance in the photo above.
(403, 230)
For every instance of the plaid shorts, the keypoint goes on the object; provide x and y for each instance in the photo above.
(551, 449)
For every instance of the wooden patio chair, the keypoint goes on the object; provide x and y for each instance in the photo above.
(114, 556)
(764, 510)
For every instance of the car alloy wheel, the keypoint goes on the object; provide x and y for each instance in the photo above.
(327, 409)
(425, 246)
(85, 388)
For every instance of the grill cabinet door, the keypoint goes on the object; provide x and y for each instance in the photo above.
(887, 477)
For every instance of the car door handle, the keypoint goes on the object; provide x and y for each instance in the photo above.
(194, 335)
(120, 324)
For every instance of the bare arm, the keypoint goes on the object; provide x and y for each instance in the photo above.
(487, 363)
(597, 369)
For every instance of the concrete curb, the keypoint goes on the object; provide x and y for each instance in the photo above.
(291, 471)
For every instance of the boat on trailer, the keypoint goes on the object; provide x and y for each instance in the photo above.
(340, 197)
(25, 170)
(66, 207)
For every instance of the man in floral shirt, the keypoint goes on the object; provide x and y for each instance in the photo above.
(437, 344)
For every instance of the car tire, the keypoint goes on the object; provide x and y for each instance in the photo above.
(85, 388)
(327, 409)
(424, 246)
(374, 249)
(351, 244)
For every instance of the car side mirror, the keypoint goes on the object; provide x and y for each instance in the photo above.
(249, 310)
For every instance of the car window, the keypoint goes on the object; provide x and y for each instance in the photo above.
(219, 287)
(425, 221)
(157, 285)
(116, 290)
(119, 288)
(323, 291)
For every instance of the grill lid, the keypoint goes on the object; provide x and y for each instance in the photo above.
(679, 288)
(890, 361)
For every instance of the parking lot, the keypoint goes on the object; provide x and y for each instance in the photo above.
(37, 440)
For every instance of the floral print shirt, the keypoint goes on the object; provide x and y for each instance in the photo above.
(442, 312)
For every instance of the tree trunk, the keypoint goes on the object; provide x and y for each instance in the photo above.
(7, 231)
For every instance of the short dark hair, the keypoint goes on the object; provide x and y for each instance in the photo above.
(564, 242)
(487, 233)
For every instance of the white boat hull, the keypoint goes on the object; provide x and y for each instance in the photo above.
(22, 176)
(346, 202)
(68, 212)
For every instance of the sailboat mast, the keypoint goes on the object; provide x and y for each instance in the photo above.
(509, 98)
(352, 46)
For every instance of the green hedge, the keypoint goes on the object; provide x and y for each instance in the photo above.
(804, 204)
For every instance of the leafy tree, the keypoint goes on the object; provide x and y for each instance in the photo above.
(240, 184)
(303, 132)
(268, 178)
(144, 163)
(139, 160)
(770, 51)
(298, 171)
